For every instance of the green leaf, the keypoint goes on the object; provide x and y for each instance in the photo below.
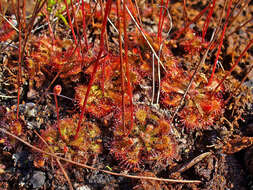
(63, 19)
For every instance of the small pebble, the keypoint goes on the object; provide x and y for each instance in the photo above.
(84, 187)
(30, 110)
(38, 179)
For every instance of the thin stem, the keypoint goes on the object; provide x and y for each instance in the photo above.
(133, 11)
(57, 91)
(159, 23)
(185, 12)
(106, 36)
(241, 26)
(84, 26)
(19, 58)
(107, 11)
(159, 82)
(121, 67)
(14, 10)
(24, 13)
(159, 54)
(49, 25)
(153, 79)
(221, 42)
(243, 5)
(144, 36)
(78, 34)
(205, 27)
(180, 32)
(235, 64)
(74, 17)
(163, 16)
(129, 85)
(218, 28)
(70, 22)
(138, 11)
(12, 25)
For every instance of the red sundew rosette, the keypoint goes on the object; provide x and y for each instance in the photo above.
(128, 151)
(97, 105)
(202, 113)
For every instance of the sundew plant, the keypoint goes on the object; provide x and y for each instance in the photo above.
(125, 85)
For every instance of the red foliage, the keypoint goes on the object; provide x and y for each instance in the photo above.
(16, 126)
(97, 104)
(149, 140)
(128, 150)
(6, 31)
(87, 144)
(58, 56)
(201, 107)
(192, 43)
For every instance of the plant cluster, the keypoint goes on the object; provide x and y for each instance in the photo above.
(149, 141)
(201, 106)
(54, 56)
(125, 71)
(9, 121)
(59, 139)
